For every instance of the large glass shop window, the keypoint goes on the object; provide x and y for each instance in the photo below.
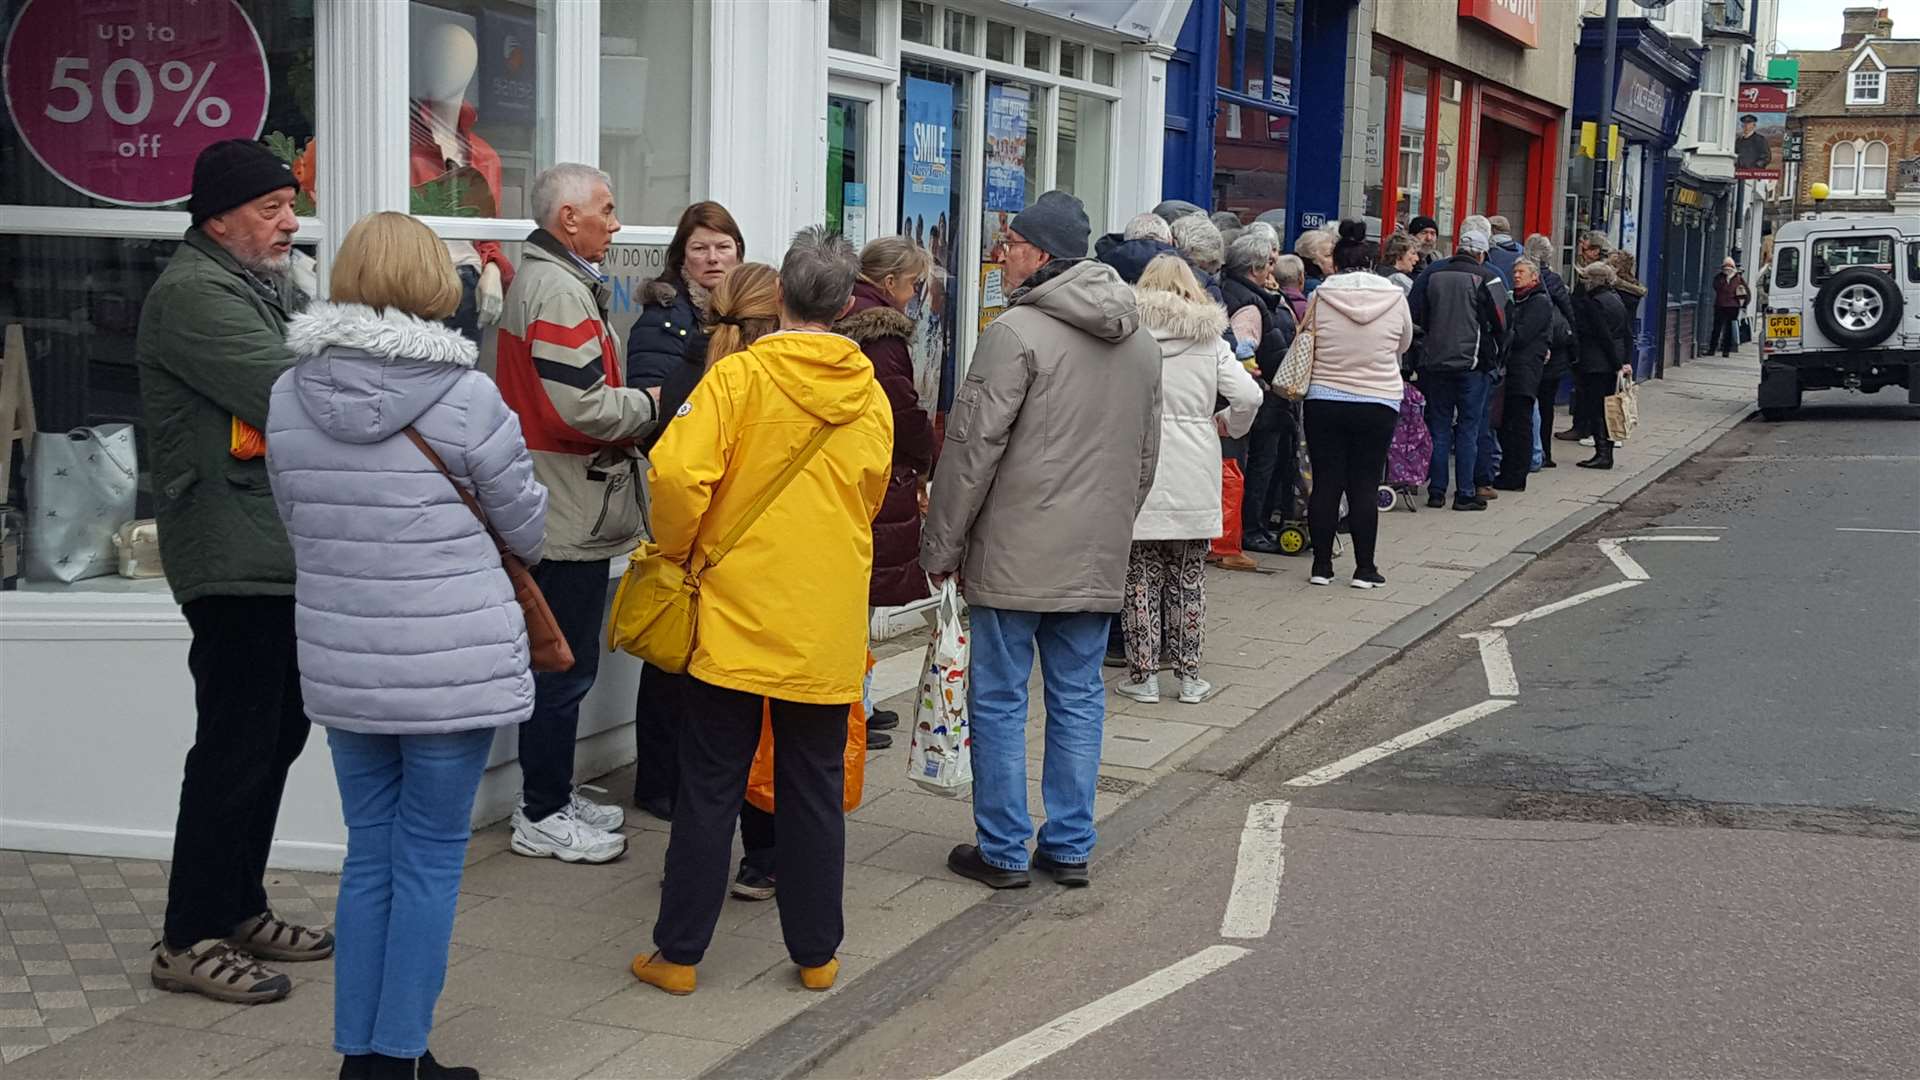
(110, 101)
(479, 106)
(648, 67)
(933, 182)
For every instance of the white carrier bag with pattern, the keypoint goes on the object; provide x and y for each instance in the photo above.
(940, 754)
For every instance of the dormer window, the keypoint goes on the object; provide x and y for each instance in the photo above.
(1867, 80)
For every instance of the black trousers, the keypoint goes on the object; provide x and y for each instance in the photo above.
(1726, 337)
(716, 753)
(1591, 406)
(1347, 442)
(251, 726)
(577, 593)
(1549, 390)
(1516, 443)
(658, 716)
(1271, 467)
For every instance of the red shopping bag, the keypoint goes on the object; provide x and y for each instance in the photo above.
(1233, 491)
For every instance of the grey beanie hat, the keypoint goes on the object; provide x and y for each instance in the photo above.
(1173, 209)
(1475, 241)
(1057, 224)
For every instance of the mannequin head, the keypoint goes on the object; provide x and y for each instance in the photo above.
(443, 63)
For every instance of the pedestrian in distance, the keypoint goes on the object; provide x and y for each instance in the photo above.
(1460, 307)
(667, 350)
(1730, 296)
(782, 619)
(414, 654)
(1531, 314)
(1262, 326)
(1361, 325)
(891, 271)
(1603, 330)
(1049, 456)
(558, 363)
(1560, 359)
(1166, 599)
(211, 343)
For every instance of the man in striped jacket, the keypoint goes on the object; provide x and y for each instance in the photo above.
(558, 364)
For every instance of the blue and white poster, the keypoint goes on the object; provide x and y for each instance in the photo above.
(1008, 109)
(929, 137)
(928, 218)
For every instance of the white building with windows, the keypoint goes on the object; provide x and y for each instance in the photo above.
(790, 112)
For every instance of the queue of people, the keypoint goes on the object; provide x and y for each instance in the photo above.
(770, 416)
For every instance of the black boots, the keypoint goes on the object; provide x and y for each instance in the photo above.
(382, 1067)
(1602, 458)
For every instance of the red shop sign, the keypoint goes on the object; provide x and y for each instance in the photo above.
(1518, 20)
(117, 100)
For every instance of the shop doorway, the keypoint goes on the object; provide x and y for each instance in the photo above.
(1504, 171)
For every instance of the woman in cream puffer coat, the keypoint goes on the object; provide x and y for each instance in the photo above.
(1166, 572)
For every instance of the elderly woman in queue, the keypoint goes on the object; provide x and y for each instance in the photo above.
(1530, 316)
(1315, 248)
(892, 269)
(1604, 329)
(1560, 355)
(667, 348)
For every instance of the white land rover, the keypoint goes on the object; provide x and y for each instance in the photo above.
(1842, 309)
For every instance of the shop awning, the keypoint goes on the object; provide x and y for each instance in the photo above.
(1143, 20)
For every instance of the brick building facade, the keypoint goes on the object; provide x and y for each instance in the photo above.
(1858, 113)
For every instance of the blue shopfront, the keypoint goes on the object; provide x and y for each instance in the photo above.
(1653, 79)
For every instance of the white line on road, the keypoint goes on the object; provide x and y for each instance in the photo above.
(1498, 660)
(1688, 528)
(1673, 539)
(1051, 1038)
(1256, 880)
(1401, 742)
(1898, 532)
(1633, 570)
(1575, 600)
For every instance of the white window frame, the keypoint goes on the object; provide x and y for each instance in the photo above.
(1855, 173)
(1859, 68)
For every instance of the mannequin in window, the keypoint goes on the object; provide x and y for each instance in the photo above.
(446, 150)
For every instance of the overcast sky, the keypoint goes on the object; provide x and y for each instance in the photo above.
(1815, 24)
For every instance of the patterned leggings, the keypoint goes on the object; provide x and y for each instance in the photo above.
(1166, 595)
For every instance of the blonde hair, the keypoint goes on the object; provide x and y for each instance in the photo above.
(894, 256)
(745, 307)
(390, 260)
(1169, 273)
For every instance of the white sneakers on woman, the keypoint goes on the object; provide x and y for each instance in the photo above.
(1192, 691)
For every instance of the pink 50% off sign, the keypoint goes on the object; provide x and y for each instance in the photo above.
(117, 100)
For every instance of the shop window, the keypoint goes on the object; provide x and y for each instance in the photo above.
(1858, 169)
(96, 123)
(1374, 179)
(916, 22)
(1038, 51)
(1245, 52)
(1103, 67)
(1446, 157)
(960, 31)
(933, 184)
(1081, 153)
(649, 67)
(848, 179)
(1073, 60)
(851, 25)
(1710, 103)
(479, 105)
(1410, 198)
(1012, 158)
(1001, 40)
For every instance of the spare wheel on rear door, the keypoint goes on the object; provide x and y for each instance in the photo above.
(1858, 307)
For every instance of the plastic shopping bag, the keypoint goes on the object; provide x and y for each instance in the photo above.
(1233, 491)
(853, 767)
(940, 755)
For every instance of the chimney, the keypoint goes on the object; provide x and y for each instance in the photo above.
(1859, 23)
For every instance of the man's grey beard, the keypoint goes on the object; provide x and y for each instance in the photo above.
(266, 262)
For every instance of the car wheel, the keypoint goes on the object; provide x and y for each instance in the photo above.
(1859, 307)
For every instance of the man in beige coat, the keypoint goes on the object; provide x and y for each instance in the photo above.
(1050, 452)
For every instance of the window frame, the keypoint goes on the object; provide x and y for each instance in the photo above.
(1878, 71)
(1856, 172)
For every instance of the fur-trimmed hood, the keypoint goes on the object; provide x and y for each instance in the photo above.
(874, 323)
(365, 375)
(1176, 322)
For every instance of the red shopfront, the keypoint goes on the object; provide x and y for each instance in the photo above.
(1447, 144)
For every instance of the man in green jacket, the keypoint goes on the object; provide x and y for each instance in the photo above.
(211, 344)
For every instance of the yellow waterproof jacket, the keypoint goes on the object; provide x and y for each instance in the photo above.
(784, 615)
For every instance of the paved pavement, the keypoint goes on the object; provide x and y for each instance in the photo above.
(1683, 845)
(538, 986)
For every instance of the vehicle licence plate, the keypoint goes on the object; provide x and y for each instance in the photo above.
(1783, 326)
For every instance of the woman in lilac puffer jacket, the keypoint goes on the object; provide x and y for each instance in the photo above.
(412, 649)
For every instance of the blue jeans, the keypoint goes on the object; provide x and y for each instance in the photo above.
(1456, 410)
(1539, 452)
(408, 801)
(1071, 645)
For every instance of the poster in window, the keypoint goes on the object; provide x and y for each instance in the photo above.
(1008, 111)
(925, 201)
(1763, 130)
(508, 71)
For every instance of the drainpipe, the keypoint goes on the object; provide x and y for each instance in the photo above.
(1608, 78)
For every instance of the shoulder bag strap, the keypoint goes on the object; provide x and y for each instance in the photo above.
(465, 496)
(766, 498)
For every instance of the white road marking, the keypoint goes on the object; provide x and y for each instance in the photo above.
(1498, 660)
(1256, 880)
(1633, 570)
(1401, 742)
(1689, 528)
(1673, 539)
(1561, 605)
(1051, 1038)
(1899, 532)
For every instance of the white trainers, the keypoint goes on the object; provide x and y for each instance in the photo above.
(564, 837)
(1147, 693)
(1194, 691)
(596, 815)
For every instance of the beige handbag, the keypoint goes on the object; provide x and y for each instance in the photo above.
(1296, 370)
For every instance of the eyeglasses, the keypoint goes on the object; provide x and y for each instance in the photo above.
(1015, 242)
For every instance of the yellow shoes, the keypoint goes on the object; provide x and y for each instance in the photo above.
(675, 979)
(820, 978)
